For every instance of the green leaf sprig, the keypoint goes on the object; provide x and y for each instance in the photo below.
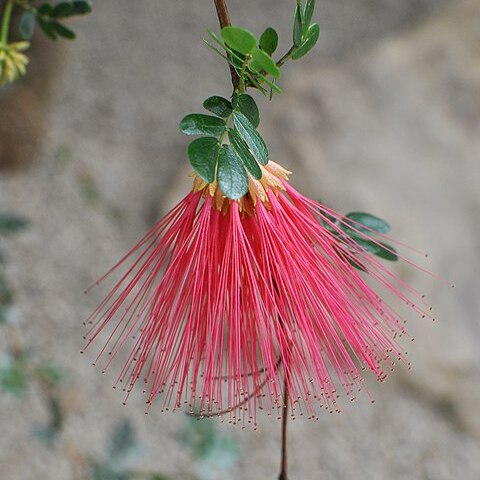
(230, 147)
(212, 158)
(354, 228)
(50, 18)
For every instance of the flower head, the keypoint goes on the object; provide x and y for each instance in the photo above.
(225, 300)
(13, 63)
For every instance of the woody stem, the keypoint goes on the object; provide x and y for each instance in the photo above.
(224, 19)
(284, 461)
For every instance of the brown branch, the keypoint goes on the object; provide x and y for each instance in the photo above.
(284, 461)
(246, 399)
(224, 19)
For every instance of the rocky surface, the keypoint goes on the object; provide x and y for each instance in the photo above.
(384, 117)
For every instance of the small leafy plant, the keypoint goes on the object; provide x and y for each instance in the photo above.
(230, 146)
(49, 17)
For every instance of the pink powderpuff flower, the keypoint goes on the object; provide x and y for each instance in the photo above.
(223, 302)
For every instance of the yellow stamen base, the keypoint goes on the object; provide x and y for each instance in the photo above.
(273, 175)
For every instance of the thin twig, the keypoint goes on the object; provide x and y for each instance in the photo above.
(224, 19)
(284, 461)
(245, 400)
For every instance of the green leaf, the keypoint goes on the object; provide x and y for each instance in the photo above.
(199, 124)
(27, 25)
(245, 104)
(379, 249)
(307, 16)
(297, 26)
(311, 38)
(62, 30)
(262, 61)
(239, 39)
(242, 151)
(387, 252)
(365, 223)
(356, 264)
(271, 84)
(12, 223)
(329, 222)
(47, 28)
(45, 9)
(269, 40)
(62, 10)
(203, 155)
(232, 177)
(219, 106)
(81, 7)
(251, 137)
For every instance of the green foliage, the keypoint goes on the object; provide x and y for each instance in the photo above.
(245, 104)
(365, 222)
(308, 42)
(308, 14)
(48, 17)
(239, 39)
(357, 226)
(298, 26)
(305, 33)
(269, 41)
(251, 137)
(262, 61)
(200, 124)
(61, 10)
(379, 249)
(27, 25)
(219, 106)
(244, 154)
(62, 31)
(203, 155)
(232, 177)
(253, 66)
(211, 158)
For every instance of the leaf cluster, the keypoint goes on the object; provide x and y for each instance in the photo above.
(357, 226)
(230, 163)
(50, 18)
(305, 33)
(252, 58)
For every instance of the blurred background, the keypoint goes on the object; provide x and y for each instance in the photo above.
(383, 117)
